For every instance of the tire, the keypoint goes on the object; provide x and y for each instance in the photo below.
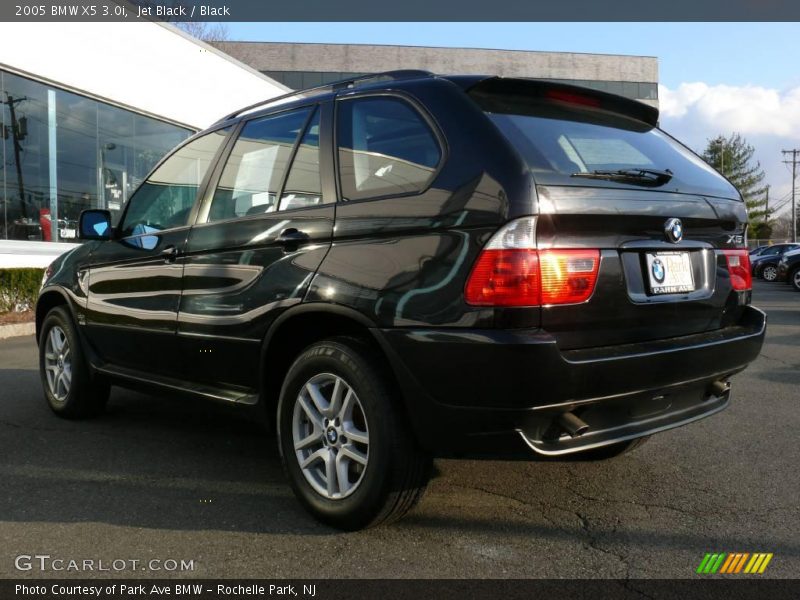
(769, 273)
(794, 279)
(381, 470)
(612, 450)
(69, 388)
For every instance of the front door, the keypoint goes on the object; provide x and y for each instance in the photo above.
(135, 278)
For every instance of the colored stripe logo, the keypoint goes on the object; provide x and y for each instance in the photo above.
(732, 563)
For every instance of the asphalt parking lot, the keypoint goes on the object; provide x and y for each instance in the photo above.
(168, 479)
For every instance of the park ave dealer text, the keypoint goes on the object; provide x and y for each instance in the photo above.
(169, 589)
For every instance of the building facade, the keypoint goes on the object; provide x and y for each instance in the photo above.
(81, 127)
(305, 65)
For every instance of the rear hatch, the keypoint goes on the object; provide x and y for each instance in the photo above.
(608, 179)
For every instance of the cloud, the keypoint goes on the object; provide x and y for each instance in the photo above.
(769, 119)
(746, 109)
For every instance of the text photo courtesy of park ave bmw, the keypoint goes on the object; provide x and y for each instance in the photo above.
(447, 300)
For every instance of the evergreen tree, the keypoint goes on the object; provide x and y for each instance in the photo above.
(733, 157)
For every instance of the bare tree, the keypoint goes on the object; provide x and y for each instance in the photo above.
(782, 227)
(207, 32)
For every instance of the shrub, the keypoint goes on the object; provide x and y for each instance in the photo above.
(19, 288)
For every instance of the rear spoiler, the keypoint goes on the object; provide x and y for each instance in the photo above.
(542, 91)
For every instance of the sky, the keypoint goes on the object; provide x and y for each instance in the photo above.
(715, 78)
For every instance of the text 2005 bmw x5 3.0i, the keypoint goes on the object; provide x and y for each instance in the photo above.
(406, 266)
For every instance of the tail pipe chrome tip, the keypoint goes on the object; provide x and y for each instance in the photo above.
(719, 388)
(572, 424)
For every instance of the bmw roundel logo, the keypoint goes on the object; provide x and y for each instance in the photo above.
(673, 229)
(658, 270)
(332, 435)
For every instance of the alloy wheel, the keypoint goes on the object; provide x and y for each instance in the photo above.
(796, 279)
(58, 363)
(330, 436)
(770, 273)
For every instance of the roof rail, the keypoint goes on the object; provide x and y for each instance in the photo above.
(334, 86)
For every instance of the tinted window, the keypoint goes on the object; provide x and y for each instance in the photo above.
(559, 140)
(385, 148)
(303, 186)
(253, 175)
(166, 198)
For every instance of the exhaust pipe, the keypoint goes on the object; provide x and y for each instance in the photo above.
(572, 424)
(719, 388)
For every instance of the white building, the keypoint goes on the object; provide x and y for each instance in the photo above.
(88, 109)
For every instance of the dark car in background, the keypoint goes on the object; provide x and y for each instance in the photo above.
(406, 266)
(789, 269)
(765, 265)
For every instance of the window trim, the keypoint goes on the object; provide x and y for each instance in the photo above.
(417, 107)
(290, 163)
(201, 188)
(201, 218)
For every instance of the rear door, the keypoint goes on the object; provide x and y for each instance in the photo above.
(264, 228)
(609, 179)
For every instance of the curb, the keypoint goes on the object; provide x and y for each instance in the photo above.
(16, 330)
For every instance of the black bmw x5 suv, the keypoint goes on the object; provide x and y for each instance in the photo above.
(407, 266)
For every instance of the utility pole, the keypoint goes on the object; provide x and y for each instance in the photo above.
(15, 135)
(793, 162)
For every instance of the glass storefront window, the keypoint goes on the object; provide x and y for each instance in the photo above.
(76, 163)
(63, 153)
(26, 175)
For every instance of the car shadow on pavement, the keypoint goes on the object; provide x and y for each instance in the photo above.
(149, 461)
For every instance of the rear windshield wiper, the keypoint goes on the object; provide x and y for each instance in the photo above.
(652, 177)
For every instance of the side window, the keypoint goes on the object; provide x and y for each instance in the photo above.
(165, 199)
(385, 148)
(251, 180)
(303, 186)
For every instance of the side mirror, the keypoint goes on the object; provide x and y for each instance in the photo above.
(95, 224)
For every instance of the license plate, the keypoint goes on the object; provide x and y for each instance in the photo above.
(670, 272)
(67, 234)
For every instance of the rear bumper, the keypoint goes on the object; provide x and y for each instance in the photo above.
(500, 392)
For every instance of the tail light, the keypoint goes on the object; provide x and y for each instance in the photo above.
(739, 269)
(568, 276)
(510, 271)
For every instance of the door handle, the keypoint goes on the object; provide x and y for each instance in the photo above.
(170, 253)
(292, 237)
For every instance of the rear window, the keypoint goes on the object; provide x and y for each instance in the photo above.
(560, 141)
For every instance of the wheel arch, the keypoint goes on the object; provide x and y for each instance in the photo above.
(48, 300)
(298, 328)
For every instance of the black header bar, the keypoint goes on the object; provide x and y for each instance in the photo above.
(406, 10)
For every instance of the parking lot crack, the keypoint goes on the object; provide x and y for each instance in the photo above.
(645, 505)
(778, 360)
(594, 544)
(535, 504)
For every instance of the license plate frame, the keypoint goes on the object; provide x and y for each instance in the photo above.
(669, 272)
